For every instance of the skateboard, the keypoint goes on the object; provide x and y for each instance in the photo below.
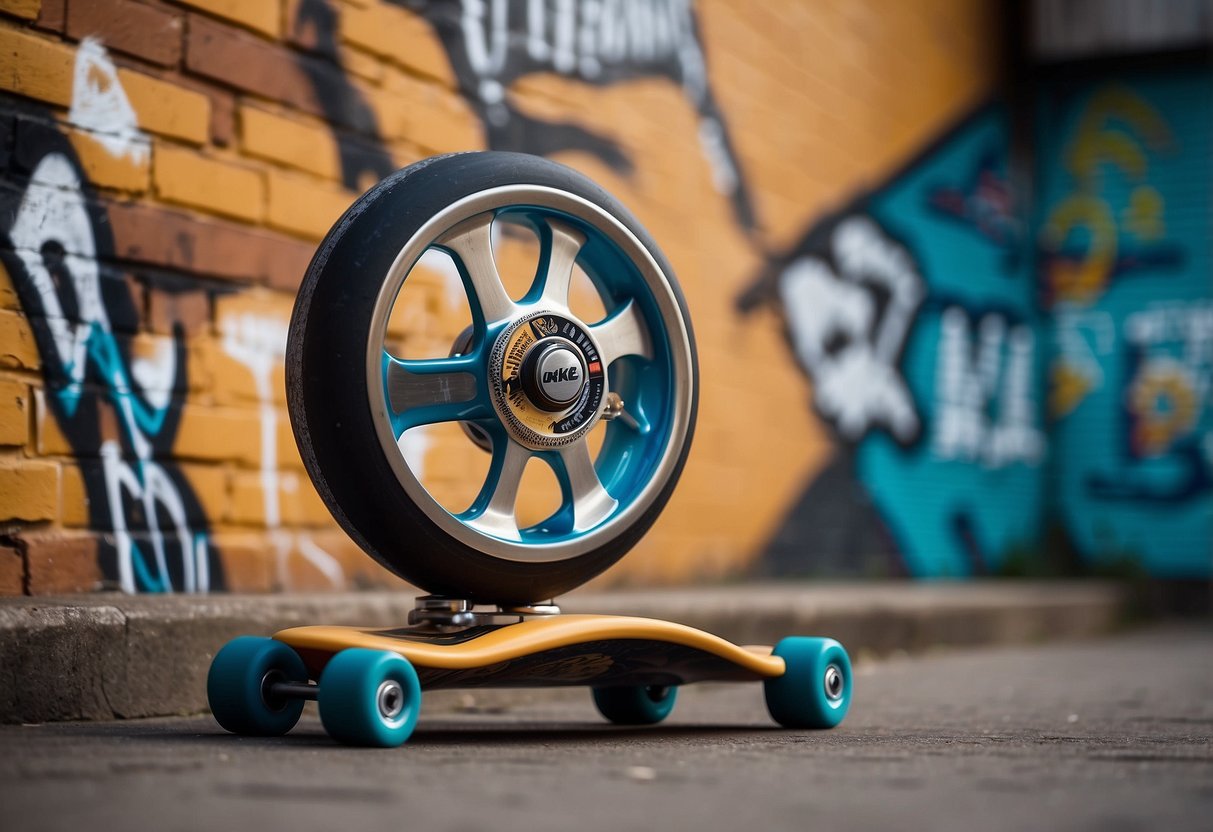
(604, 393)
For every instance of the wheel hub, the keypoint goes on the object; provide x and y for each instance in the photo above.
(547, 380)
(553, 374)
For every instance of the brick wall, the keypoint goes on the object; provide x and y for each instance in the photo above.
(170, 166)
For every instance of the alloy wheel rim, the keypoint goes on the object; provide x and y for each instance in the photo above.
(643, 345)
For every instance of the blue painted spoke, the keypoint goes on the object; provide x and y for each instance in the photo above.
(435, 390)
(623, 333)
(492, 512)
(470, 244)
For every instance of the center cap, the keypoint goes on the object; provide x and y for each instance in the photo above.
(553, 375)
(547, 380)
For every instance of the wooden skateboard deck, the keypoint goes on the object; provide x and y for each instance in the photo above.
(560, 650)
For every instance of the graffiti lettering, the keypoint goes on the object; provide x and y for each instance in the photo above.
(54, 251)
(968, 385)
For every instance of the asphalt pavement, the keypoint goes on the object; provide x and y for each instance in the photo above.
(1113, 734)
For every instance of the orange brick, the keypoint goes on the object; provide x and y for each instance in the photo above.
(288, 451)
(301, 505)
(247, 506)
(432, 117)
(382, 29)
(36, 67)
(248, 562)
(22, 8)
(209, 484)
(186, 177)
(105, 170)
(304, 205)
(209, 433)
(264, 16)
(12, 571)
(49, 439)
(304, 145)
(167, 109)
(8, 292)
(17, 347)
(59, 563)
(74, 501)
(363, 64)
(29, 490)
(16, 404)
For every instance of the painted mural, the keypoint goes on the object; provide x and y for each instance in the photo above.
(911, 312)
(115, 398)
(493, 44)
(977, 374)
(1126, 258)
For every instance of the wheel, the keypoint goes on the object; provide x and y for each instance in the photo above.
(530, 379)
(636, 705)
(238, 686)
(815, 689)
(369, 697)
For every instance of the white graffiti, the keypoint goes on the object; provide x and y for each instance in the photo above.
(587, 39)
(53, 216)
(968, 382)
(847, 343)
(259, 343)
(100, 105)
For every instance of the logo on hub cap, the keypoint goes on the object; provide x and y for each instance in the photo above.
(560, 374)
(550, 382)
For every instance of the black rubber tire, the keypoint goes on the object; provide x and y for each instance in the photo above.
(328, 401)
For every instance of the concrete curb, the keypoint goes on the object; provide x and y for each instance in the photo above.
(118, 656)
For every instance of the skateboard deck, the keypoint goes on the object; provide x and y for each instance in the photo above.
(560, 650)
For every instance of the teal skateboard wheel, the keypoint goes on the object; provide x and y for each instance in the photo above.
(238, 686)
(815, 689)
(637, 704)
(369, 697)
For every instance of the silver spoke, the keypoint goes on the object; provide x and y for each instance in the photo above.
(437, 390)
(624, 333)
(471, 243)
(591, 502)
(498, 517)
(565, 243)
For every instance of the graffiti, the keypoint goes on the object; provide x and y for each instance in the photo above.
(55, 250)
(1086, 241)
(1167, 406)
(100, 105)
(492, 44)
(850, 294)
(363, 161)
(918, 340)
(984, 202)
(1083, 339)
(259, 343)
(1132, 373)
(968, 384)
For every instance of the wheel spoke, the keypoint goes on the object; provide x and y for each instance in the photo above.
(591, 502)
(492, 512)
(623, 333)
(561, 244)
(434, 390)
(470, 243)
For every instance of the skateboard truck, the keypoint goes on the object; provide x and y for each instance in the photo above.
(439, 611)
(539, 379)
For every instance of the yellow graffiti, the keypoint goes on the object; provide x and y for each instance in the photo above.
(1067, 387)
(1111, 131)
(1163, 400)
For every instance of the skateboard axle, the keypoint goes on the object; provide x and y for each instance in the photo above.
(294, 690)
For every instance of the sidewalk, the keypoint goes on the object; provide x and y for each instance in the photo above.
(118, 656)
